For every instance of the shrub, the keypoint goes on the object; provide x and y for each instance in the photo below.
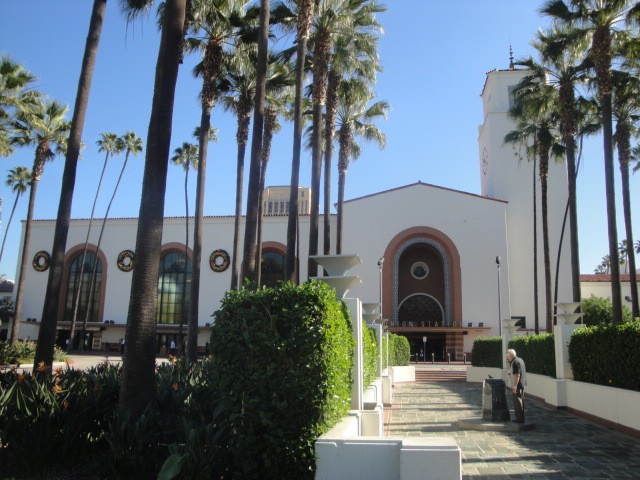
(487, 352)
(399, 351)
(370, 354)
(48, 421)
(597, 310)
(607, 355)
(24, 352)
(283, 358)
(537, 351)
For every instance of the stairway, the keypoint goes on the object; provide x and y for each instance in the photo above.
(440, 375)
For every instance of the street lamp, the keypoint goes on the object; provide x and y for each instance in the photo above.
(380, 263)
(499, 298)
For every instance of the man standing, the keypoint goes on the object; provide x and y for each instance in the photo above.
(518, 376)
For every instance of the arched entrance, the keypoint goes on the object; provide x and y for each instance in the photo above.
(421, 293)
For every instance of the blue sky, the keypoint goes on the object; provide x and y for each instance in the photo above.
(435, 55)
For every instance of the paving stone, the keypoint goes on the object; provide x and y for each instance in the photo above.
(562, 445)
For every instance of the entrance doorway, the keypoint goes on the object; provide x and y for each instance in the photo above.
(435, 345)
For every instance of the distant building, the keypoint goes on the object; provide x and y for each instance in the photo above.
(455, 263)
(275, 200)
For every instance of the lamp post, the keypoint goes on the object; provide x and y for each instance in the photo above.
(380, 263)
(499, 299)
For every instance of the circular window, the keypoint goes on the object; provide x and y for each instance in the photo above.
(419, 270)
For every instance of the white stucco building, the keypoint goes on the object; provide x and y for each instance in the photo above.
(439, 278)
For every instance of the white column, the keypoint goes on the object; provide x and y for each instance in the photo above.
(355, 309)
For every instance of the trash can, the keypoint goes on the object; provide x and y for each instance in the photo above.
(494, 400)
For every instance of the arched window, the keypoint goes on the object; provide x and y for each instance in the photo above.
(173, 288)
(77, 283)
(421, 310)
(272, 268)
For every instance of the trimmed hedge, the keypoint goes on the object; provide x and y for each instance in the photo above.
(537, 351)
(370, 354)
(399, 351)
(487, 352)
(283, 359)
(607, 355)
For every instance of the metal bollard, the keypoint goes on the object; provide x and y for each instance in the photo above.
(448, 358)
(433, 356)
(464, 358)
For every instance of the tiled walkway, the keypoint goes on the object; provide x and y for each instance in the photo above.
(562, 445)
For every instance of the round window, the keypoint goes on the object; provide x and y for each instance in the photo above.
(419, 270)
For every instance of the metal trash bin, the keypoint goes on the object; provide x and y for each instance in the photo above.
(494, 400)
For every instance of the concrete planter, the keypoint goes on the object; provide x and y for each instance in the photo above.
(402, 374)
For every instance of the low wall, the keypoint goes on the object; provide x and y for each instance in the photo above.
(614, 406)
(402, 374)
(341, 457)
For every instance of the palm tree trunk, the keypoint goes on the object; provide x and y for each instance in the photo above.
(192, 330)
(341, 182)
(137, 383)
(544, 167)
(94, 269)
(6, 229)
(236, 225)
(601, 52)
(305, 16)
(183, 302)
(626, 205)
(320, 56)
(24, 262)
(78, 293)
(572, 175)
(536, 307)
(267, 138)
(253, 194)
(330, 126)
(49, 320)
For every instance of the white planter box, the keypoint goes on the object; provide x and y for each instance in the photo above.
(402, 374)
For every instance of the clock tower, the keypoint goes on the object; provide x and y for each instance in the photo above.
(508, 174)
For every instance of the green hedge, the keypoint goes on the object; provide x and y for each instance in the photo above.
(283, 358)
(537, 351)
(370, 354)
(487, 352)
(607, 355)
(399, 351)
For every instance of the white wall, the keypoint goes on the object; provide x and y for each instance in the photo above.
(474, 224)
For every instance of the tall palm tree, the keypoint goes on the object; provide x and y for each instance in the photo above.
(599, 20)
(241, 79)
(356, 55)
(249, 270)
(110, 144)
(49, 320)
(14, 94)
(186, 157)
(132, 144)
(18, 179)
(562, 54)
(535, 111)
(354, 118)
(214, 21)
(304, 17)
(334, 18)
(137, 384)
(626, 110)
(279, 94)
(43, 126)
(605, 265)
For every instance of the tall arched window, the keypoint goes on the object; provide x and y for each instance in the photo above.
(272, 268)
(76, 284)
(173, 288)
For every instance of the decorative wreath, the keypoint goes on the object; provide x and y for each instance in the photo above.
(125, 260)
(219, 260)
(41, 261)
